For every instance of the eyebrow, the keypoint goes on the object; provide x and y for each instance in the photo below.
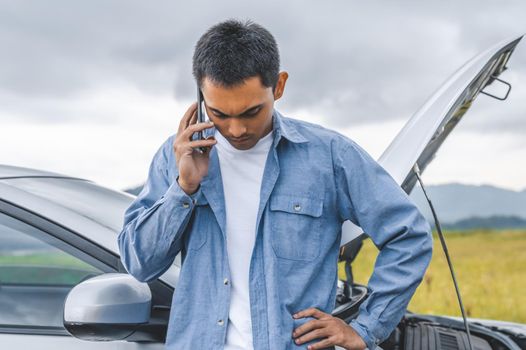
(242, 113)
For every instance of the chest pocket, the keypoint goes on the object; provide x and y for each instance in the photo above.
(296, 226)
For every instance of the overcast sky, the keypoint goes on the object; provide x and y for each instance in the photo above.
(92, 88)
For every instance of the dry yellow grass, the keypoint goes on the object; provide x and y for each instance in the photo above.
(490, 268)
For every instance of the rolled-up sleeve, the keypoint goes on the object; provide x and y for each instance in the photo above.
(154, 222)
(371, 199)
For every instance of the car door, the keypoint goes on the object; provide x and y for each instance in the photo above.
(37, 270)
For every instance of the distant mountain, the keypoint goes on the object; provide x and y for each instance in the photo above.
(455, 202)
(495, 222)
(466, 206)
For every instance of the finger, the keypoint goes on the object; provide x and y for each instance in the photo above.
(307, 327)
(183, 123)
(325, 343)
(187, 115)
(315, 334)
(312, 311)
(190, 130)
(193, 119)
(208, 149)
(201, 143)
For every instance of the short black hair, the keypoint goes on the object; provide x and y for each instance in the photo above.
(232, 51)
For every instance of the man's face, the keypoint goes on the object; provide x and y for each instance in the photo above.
(242, 114)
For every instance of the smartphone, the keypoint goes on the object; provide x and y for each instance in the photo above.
(200, 119)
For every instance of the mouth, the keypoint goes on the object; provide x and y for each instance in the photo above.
(240, 139)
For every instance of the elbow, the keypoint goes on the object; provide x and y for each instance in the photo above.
(422, 242)
(141, 277)
(130, 260)
(427, 245)
(143, 267)
(135, 269)
(423, 234)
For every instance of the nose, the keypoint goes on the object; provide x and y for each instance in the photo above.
(236, 128)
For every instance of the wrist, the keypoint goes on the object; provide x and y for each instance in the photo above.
(188, 189)
(355, 341)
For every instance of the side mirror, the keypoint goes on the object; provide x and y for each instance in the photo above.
(111, 306)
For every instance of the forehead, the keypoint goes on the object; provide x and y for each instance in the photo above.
(234, 99)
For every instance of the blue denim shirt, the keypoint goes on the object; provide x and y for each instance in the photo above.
(314, 180)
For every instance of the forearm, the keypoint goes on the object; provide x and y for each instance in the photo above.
(371, 199)
(399, 269)
(152, 237)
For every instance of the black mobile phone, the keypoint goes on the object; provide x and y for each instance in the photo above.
(200, 115)
(200, 119)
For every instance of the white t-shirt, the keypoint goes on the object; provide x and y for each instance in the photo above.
(241, 172)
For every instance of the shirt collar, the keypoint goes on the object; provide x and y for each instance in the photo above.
(280, 128)
(283, 129)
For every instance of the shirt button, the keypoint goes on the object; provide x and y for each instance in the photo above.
(297, 207)
(186, 205)
(220, 322)
(225, 281)
(194, 200)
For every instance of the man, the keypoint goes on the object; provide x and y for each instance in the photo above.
(257, 217)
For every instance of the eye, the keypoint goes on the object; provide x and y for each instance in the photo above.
(252, 113)
(220, 115)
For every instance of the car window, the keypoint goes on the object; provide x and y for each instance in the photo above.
(37, 271)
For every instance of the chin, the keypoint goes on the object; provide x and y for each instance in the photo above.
(243, 147)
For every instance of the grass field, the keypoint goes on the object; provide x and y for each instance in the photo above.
(490, 268)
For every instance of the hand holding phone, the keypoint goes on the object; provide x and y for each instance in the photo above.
(192, 164)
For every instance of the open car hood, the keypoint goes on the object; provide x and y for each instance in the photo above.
(426, 130)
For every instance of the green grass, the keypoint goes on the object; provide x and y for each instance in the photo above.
(490, 268)
(56, 258)
(44, 268)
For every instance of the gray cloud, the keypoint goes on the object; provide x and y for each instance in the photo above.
(350, 62)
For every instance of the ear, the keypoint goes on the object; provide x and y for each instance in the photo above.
(280, 85)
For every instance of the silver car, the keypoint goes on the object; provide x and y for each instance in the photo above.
(62, 284)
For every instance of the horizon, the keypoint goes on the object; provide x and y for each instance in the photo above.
(417, 185)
